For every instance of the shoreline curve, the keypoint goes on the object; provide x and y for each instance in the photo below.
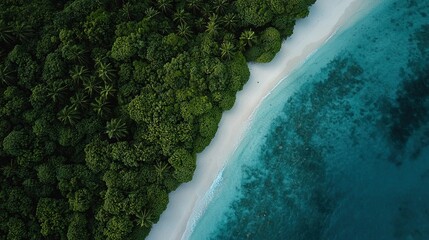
(325, 19)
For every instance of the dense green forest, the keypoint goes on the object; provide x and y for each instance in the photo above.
(105, 103)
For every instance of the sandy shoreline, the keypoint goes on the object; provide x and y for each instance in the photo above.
(326, 16)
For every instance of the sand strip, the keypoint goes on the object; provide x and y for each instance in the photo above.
(326, 17)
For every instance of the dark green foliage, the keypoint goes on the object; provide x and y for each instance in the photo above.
(96, 155)
(77, 229)
(269, 45)
(123, 48)
(80, 201)
(18, 202)
(121, 151)
(239, 72)
(284, 24)
(50, 214)
(227, 101)
(199, 105)
(46, 173)
(183, 164)
(158, 198)
(255, 12)
(97, 26)
(16, 143)
(104, 104)
(139, 108)
(209, 124)
(54, 67)
(16, 229)
(118, 227)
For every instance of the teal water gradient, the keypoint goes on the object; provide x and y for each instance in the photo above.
(340, 149)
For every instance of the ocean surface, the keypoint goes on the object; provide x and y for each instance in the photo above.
(340, 149)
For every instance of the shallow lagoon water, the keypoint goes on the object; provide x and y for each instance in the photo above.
(340, 149)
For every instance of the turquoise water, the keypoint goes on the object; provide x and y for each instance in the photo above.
(340, 149)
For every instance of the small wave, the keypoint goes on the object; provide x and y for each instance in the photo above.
(201, 206)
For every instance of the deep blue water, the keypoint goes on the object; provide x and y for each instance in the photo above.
(340, 150)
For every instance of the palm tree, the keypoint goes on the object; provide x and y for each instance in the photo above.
(117, 129)
(248, 38)
(164, 27)
(78, 100)
(68, 115)
(230, 20)
(6, 33)
(164, 5)
(206, 69)
(212, 27)
(77, 54)
(23, 32)
(184, 30)
(226, 50)
(6, 74)
(194, 5)
(107, 91)
(79, 74)
(229, 37)
(125, 10)
(200, 23)
(101, 107)
(56, 91)
(145, 219)
(151, 12)
(90, 85)
(213, 18)
(105, 71)
(220, 6)
(180, 16)
(160, 168)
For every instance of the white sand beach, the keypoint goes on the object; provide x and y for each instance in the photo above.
(326, 17)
